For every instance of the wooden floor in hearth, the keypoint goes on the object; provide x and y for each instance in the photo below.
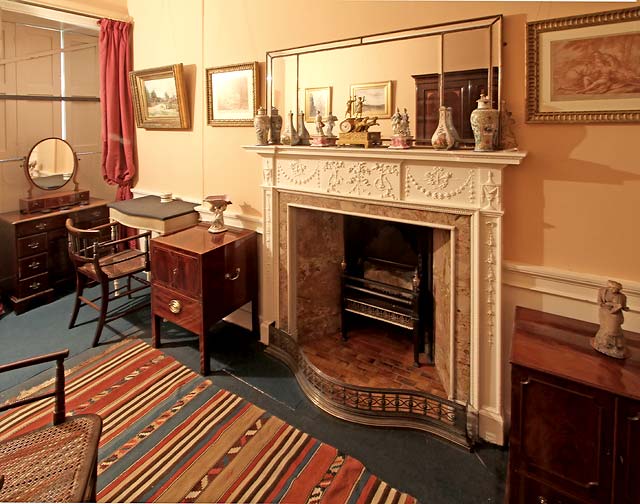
(373, 356)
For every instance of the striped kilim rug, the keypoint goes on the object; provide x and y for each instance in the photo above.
(170, 435)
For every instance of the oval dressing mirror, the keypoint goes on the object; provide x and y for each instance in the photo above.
(51, 164)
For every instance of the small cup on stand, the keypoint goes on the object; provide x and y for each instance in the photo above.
(166, 197)
(217, 205)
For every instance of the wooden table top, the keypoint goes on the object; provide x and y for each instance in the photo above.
(199, 240)
(16, 216)
(561, 346)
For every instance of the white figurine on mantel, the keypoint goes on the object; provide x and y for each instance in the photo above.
(401, 138)
(330, 121)
(320, 139)
(217, 205)
(609, 339)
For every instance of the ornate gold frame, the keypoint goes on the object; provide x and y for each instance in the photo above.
(253, 98)
(533, 71)
(139, 98)
(387, 95)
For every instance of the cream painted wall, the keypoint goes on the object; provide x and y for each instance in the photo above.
(571, 205)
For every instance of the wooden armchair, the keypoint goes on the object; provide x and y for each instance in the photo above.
(55, 463)
(98, 256)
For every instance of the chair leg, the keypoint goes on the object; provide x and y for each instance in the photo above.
(104, 302)
(81, 281)
(129, 286)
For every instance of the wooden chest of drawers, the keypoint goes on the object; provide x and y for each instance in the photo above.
(575, 415)
(197, 278)
(33, 251)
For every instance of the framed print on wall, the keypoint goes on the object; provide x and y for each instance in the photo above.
(377, 99)
(159, 98)
(584, 68)
(317, 100)
(231, 94)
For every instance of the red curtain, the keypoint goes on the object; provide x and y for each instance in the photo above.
(118, 127)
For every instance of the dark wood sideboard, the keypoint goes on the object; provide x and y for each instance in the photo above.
(575, 415)
(33, 251)
(197, 278)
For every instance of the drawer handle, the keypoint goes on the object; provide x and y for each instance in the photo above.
(593, 484)
(34, 285)
(34, 264)
(175, 306)
(542, 500)
(234, 277)
(634, 418)
(33, 245)
(41, 226)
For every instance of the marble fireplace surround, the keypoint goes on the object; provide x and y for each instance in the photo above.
(458, 192)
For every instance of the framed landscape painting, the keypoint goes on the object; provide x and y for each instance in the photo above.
(317, 100)
(584, 68)
(231, 94)
(375, 98)
(159, 98)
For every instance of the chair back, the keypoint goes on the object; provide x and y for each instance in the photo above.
(83, 244)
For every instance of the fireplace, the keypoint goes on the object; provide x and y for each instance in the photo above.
(311, 195)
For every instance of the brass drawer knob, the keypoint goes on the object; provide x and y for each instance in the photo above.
(34, 264)
(34, 285)
(175, 306)
(235, 276)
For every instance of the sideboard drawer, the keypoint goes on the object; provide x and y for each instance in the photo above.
(30, 266)
(33, 285)
(176, 271)
(92, 216)
(32, 245)
(39, 226)
(177, 308)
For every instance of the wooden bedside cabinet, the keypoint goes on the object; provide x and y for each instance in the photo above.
(575, 415)
(197, 278)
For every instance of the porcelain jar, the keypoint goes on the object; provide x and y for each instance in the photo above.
(276, 126)
(444, 137)
(484, 123)
(261, 122)
(290, 135)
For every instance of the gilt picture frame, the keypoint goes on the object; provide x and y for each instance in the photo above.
(377, 99)
(584, 69)
(232, 94)
(159, 98)
(317, 100)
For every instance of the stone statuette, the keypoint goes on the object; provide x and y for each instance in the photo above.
(290, 135)
(609, 339)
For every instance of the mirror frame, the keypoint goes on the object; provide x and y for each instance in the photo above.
(439, 30)
(33, 185)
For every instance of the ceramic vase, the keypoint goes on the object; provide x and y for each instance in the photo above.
(484, 123)
(303, 133)
(443, 137)
(290, 135)
(452, 128)
(261, 122)
(276, 126)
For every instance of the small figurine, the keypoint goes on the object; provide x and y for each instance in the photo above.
(395, 122)
(319, 124)
(359, 105)
(609, 339)
(404, 124)
(350, 103)
(331, 122)
(217, 206)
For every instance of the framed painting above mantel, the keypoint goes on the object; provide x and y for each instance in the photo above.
(584, 69)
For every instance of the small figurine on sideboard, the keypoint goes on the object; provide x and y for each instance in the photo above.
(609, 339)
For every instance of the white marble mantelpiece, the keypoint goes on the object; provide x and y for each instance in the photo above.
(460, 182)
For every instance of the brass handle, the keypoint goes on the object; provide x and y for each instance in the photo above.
(41, 226)
(542, 500)
(593, 484)
(34, 285)
(33, 245)
(234, 277)
(175, 306)
(634, 418)
(34, 264)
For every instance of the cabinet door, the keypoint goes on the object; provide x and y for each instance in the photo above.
(239, 273)
(562, 435)
(176, 271)
(628, 452)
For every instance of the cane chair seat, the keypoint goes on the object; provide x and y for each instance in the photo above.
(117, 265)
(53, 463)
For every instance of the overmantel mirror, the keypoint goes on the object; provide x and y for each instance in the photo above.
(418, 69)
